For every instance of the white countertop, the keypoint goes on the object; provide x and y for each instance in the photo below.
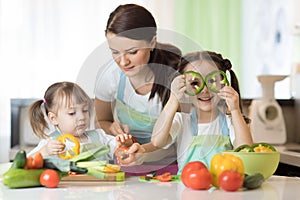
(275, 188)
(287, 156)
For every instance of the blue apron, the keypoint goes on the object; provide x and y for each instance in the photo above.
(204, 147)
(141, 124)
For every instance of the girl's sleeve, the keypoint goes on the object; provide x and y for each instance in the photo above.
(108, 140)
(40, 145)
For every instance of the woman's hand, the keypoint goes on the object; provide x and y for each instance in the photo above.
(231, 97)
(53, 147)
(116, 128)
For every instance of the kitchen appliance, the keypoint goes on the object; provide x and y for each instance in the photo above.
(267, 121)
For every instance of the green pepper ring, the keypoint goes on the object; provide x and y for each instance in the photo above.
(244, 146)
(195, 74)
(263, 144)
(208, 76)
(211, 74)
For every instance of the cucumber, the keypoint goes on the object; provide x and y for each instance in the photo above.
(19, 161)
(253, 181)
(22, 178)
(92, 154)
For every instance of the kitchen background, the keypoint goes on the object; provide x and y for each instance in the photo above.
(44, 41)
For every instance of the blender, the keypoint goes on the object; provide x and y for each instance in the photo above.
(267, 121)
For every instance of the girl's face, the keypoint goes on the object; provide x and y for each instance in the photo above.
(132, 56)
(206, 100)
(74, 119)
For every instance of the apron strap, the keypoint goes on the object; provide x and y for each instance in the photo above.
(121, 87)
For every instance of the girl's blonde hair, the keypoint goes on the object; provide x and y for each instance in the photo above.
(57, 95)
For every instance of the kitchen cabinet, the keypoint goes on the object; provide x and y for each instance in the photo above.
(275, 188)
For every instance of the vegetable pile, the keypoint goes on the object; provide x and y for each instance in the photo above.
(38, 171)
(226, 171)
(29, 172)
(258, 147)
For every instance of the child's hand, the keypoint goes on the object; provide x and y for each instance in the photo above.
(116, 128)
(124, 140)
(231, 97)
(178, 87)
(54, 147)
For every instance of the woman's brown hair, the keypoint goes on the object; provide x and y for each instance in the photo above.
(135, 22)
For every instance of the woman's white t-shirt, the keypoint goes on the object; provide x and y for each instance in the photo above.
(106, 89)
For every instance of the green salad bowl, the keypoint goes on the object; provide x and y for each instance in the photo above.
(265, 163)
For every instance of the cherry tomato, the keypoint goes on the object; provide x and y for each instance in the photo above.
(195, 175)
(49, 178)
(123, 156)
(230, 180)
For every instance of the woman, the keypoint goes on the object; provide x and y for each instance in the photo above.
(136, 85)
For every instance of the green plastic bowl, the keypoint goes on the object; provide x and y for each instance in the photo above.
(265, 163)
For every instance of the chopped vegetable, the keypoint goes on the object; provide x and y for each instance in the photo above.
(263, 147)
(195, 84)
(244, 148)
(214, 81)
(71, 152)
(165, 177)
(258, 147)
(123, 157)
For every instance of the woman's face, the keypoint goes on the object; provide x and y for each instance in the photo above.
(132, 56)
(206, 100)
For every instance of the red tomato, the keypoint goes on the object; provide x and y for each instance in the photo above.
(49, 178)
(123, 156)
(195, 175)
(230, 180)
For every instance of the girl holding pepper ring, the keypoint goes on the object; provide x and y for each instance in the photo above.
(215, 121)
(69, 109)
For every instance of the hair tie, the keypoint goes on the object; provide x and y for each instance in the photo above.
(44, 100)
(227, 64)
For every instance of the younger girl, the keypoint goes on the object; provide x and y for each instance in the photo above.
(69, 109)
(215, 122)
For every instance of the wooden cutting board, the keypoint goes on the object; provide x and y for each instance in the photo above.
(119, 176)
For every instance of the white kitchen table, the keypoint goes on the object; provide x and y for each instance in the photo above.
(274, 188)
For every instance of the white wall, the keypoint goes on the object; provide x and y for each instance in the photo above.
(267, 44)
(42, 42)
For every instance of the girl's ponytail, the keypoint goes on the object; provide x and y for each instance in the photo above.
(37, 118)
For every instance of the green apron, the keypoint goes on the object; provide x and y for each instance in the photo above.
(141, 124)
(91, 134)
(204, 147)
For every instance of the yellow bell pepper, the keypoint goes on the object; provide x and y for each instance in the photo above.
(222, 162)
(69, 153)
